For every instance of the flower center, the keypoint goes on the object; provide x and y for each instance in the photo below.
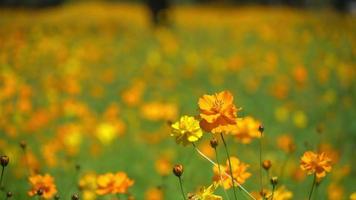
(217, 105)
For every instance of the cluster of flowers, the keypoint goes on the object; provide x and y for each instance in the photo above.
(218, 116)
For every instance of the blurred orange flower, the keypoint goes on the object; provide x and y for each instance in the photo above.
(163, 166)
(217, 112)
(315, 163)
(286, 143)
(238, 171)
(154, 194)
(113, 183)
(246, 129)
(44, 183)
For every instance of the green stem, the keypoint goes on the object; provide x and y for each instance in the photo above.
(2, 175)
(273, 187)
(312, 188)
(228, 158)
(181, 188)
(217, 161)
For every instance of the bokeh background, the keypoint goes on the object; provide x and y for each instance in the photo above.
(94, 83)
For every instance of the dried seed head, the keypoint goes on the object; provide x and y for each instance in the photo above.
(274, 180)
(23, 144)
(4, 160)
(266, 164)
(214, 143)
(261, 128)
(77, 167)
(263, 193)
(9, 194)
(178, 170)
(75, 197)
(40, 192)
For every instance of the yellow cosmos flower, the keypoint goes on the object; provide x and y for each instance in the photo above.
(206, 193)
(186, 130)
(238, 171)
(314, 163)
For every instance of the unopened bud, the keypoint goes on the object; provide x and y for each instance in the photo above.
(266, 164)
(4, 160)
(178, 170)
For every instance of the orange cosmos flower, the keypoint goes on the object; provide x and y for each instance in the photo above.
(44, 183)
(217, 112)
(246, 129)
(315, 163)
(238, 171)
(113, 183)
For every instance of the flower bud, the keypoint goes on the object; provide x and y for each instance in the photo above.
(266, 164)
(214, 143)
(57, 197)
(178, 170)
(4, 160)
(23, 144)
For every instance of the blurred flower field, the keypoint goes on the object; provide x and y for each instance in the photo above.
(91, 95)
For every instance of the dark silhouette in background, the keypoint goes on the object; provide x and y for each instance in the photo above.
(30, 3)
(158, 10)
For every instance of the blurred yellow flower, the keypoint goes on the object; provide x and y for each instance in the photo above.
(87, 184)
(206, 193)
(246, 129)
(353, 196)
(300, 119)
(44, 183)
(111, 183)
(238, 171)
(186, 130)
(217, 111)
(281, 193)
(314, 163)
(106, 132)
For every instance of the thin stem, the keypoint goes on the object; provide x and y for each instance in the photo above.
(284, 164)
(261, 183)
(312, 188)
(2, 175)
(217, 160)
(226, 174)
(181, 188)
(27, 163)
(230, 167)
(273, 187)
